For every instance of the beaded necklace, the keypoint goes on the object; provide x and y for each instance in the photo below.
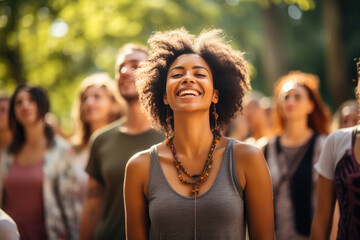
(198, 178)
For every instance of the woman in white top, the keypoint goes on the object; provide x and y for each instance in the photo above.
(339, 179)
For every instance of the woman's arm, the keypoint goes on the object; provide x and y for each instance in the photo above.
(92, 210)
(321, 225)
(135, 186)
(255, 179)
(66, 188)
(335, 222)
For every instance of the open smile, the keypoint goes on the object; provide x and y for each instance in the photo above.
(188, 93)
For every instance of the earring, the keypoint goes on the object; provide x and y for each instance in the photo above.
(169, 117)
(216, 116)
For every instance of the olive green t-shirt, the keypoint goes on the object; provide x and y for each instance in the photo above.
(109, 153)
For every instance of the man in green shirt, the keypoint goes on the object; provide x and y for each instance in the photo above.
(104, 215)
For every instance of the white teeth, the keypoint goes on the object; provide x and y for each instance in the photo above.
(185, 92)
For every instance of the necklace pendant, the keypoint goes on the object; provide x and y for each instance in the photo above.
(195, 191)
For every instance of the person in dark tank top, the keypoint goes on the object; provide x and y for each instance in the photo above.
(301, 124)
(196, 184)
(339, 180)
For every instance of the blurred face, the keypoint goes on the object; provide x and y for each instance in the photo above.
(26, 110)
(349, 117)
(95, 106)
(254, 113)
(4, 114)
(127, 64)
(295, 103)
(189, 84)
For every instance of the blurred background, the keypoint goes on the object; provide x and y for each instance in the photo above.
(57, 43)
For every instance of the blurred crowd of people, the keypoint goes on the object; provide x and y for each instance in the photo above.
(54, 186)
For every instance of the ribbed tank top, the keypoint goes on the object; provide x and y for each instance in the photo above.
(220, 210)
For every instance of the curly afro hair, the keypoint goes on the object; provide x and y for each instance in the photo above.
(229, 69)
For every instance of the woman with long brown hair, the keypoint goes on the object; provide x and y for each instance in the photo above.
(302, 122)
(36, 174)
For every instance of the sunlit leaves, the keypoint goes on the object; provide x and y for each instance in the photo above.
(62, 41)
(304, 5)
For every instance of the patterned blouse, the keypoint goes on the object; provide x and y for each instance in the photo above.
(60, 190)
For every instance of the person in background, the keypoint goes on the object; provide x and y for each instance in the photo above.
(8, 228)
(257, 109)
(98, 103)
(36, 175)
(104, 215)
(302, 122)
(238, 128)
(339, 175)
(347, 115)
(192, 86)
(5, 133)
(53, 120)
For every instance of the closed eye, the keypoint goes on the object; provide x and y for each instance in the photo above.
(200, 75)
(176, 75)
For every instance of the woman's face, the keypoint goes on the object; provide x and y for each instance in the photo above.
(96, 105)
(26, 109)
(189, 84)
(295, 102)
(349, 117)
(254, 113)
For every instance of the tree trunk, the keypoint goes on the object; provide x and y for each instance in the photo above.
(275, 58)
(335, 51)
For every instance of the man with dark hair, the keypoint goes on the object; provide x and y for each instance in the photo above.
(104, 215)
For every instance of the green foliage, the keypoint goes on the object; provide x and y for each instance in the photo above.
(57, 43)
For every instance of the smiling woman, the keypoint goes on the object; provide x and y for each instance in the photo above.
(196, 184)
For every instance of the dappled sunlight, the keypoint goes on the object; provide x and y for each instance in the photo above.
(55, 42)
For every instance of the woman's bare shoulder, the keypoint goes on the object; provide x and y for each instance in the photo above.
(248, 155)
(141, 160)
(246, 150)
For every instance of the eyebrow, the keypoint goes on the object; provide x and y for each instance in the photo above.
(131, 61)
(195, 67)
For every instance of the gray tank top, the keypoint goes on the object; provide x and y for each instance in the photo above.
(220, 210)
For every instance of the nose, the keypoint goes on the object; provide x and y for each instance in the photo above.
(187, 79)
(88, 101)
(25, 104)
(125, 71)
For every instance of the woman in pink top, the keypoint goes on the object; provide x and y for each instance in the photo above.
(36, 179)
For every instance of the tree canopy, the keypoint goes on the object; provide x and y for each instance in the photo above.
(57, 43)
